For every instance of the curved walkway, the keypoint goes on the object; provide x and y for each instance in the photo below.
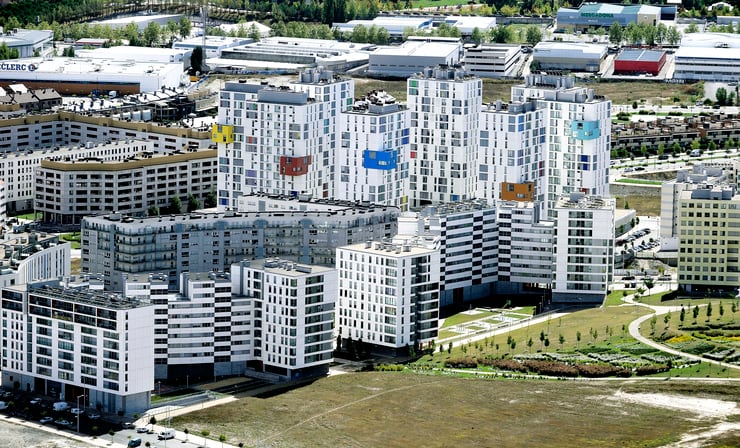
(658, 310)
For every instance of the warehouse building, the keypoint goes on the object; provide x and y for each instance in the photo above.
(709, 57)
(493, 60)
(214, 45)
(414, 55)
(29, 43)
(396, 25)
(595, 15)
(569, 56)
(138, 54)
(77, 76)
(637, 61)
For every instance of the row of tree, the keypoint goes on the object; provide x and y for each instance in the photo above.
(644, 34)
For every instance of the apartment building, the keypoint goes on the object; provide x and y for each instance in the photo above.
(578, 125)
(293, 315)
(389, 294)
(76, 344)
(33, 257)
(512, 152)
(467, 235)
(526, 242)
(201, 242)
(373, 157)
(707, 242)
(445, 105)
(67, 191)
(202, 331)
(583, 262)
(70, 128)
(18, 168)
(493, 60)
(280, 140)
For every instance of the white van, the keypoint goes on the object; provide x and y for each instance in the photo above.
(166, 434)
(61, 406)
(3, 405)
(695, 153)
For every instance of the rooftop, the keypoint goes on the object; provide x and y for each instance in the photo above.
(420, 48)
(141, 160)
(97, 67)
(581, 201)
(401, 246)
(640, 55)
(95, 298)
(285, 267)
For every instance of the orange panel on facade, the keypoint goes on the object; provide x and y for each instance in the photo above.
(517, 192)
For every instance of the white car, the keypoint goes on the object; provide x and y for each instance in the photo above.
(77, 411)
(93, 416)
(142, 429)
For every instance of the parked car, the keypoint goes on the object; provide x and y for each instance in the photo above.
(63, 422)
(61, 406)
(640, 168)
(128, 425)
(77, 411)
(35, 401)
(166, 434)
(142, 429)
(45, 420)
(134, 442)
(93, 415)
(629, 169)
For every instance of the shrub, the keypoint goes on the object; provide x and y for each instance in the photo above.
(600, 370)
(651, 369)
(388, 368)
(551, 368)
(462, 363)
(506, 364)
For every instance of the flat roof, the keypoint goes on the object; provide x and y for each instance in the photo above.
(96, 298)
(710, 40)
(573, 48)
(80, 66)
(608, 8)
(391, 249)
(138, 161)
(213, 41)
(25, 37)
(730, 54)
(139, 19)
(285, 267)
(640, 55)
(419, 48)
(126, 52)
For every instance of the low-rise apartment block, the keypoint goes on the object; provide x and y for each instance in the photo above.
(67, 191)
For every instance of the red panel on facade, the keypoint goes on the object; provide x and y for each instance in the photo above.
(294, 166)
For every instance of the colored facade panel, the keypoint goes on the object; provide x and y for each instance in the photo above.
(522, 192)
(585, 130)
(294, 166)
(380, 160)
(222, 133)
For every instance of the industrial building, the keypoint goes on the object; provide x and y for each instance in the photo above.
(396, 25)
(467, 24)
(493, 60)
(414, 55)
(595, 15)
(213, 46)
(67, 191)
(290, 54)
(138, 54)
(709, 57)
(569, 56)
(638, 61)
(28, 43)
(141, 21)
(77, 76)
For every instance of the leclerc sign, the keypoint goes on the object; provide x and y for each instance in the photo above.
(4, 66)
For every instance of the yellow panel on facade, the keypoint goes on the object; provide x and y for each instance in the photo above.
(222, 133)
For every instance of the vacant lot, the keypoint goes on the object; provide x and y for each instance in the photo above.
(401, 410)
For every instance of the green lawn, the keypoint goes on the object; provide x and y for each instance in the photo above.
(433, 3)
(639, 181)
(73, 238)
(461, 318)
(615, 297)
(26, 216)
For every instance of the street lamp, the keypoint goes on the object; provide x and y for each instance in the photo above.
(79, 411)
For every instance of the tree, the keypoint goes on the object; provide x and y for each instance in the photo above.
(210, 200)
(359, 34)
(695, 312)
(500, 34)
(327, 15)
(153, 210)
(184, 26)
(197, 59)
(533, 35)
(205, 433)
(542, 338)
(153, 420)
(222, 439)
(721, 96)
(673, 36)
(254, 33)
(709, 310)
(721, 310)
(649, 283)
(175, 205)
(152, 34)
(653, 321)
(186, 431)
(561, 340)
(529, 344)
(692, 28)
(682, 316)
(578, 339)
(616, 35)
(476, 36)
(733, 308)
(193, 203)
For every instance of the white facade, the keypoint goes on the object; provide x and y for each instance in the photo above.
(389, 294)
(32, 258)
(294, 310)
(493, 60)
(29, 43)
(19, 168)
(445, 107)
(512, 151)
(525, 246)
(414, 55)
(138, 54)
(68, 191)
(200, 332)
(467, 233)
(281, 140)
(374, 152)
(584, 249)
(68, 343)
(708, 56)
(214, 45)
(578, 127)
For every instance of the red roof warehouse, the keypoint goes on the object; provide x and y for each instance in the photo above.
(637, 61)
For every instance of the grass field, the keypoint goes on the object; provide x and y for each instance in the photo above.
(402, 410)
(461, 318)
(645, 205)
(73, 238)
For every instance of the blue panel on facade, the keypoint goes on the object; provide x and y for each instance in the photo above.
(380, 160)
(455, 197)
(405, 141)
(585, 130)
(405, 132)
